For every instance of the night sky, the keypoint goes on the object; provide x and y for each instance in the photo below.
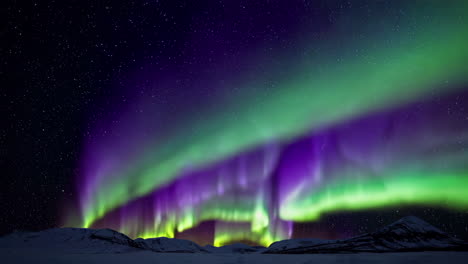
(224, 121)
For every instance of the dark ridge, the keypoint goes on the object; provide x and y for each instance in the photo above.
(407, 234)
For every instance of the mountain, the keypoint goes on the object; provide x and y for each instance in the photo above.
(71, 240)
(82, 240)
(288, 244)
(234, 248)
(164, 244)
(407, 234)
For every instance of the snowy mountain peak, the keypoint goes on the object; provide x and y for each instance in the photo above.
(71, 240)
(411, 224)
(411, 228)
(407, 234)
(164, 244)
(113, 236)
(295, 243)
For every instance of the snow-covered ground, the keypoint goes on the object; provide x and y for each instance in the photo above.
(80, 245)
(36, 256)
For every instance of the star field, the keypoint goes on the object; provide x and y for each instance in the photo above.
(208, 111)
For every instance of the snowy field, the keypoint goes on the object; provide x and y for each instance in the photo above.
(8, 256)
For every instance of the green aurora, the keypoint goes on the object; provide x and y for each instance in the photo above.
(327, 85)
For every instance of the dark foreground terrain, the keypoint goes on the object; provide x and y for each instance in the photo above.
(142, 257)
(409, 240)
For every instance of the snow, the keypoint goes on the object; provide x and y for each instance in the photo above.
(113, 236)
(296, 243)
(413, 224)
(8, 256)
(164, 244)
(407, 234)
(70, 240)
(79, 245)
(82, 240)
(234, 248)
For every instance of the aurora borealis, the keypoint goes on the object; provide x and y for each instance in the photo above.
(352, 117)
